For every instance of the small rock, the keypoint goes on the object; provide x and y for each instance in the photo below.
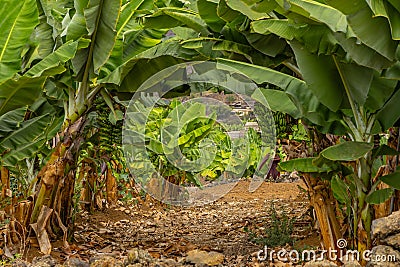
(393, 241)
(45, 261)
(75, 262)
(202, 257)
(104, 261)
(386, 226)
(139, 256)
(324, 263)
(384, 256)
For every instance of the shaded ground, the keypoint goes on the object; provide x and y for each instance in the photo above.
(170, 231)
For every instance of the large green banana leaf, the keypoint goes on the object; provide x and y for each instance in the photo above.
(317, 11)
(19, 93)
(25, 141)
(54, 62)
(387, 10)
(279, 101)
(98, 19)
(347, 7)
(390, 112)
(362, 54)
(327, 78)
(364, 25)
(170, 17)
(352, 30)
(208, 12)
(18, 18)
(130, 78)
(270, 44)
(252, 9)
(11, 120)
(305, 101)
(53, 19)
(131, 38)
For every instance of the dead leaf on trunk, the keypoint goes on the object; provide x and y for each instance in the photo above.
(65, 232)
(40, 230)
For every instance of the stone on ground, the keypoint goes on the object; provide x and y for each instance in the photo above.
(201, 257)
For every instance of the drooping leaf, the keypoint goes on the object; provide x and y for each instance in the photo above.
(282, 27)
(362, 54)
(385, 9)
(326, 14)
(98, 19)
(392, 179)
(247, 51)
(249, 8)
(271, 45)
(77, 26)
(169, 52)
(384, 150)
(26, 141)
(11, 120)
(380, 91)
(357, 79)
(170, 17)
(43, 35)
(208, 12)
(53, 63)
(101, 20)
(363, 24)
(18, 93)
(304, 99)
(304, 165)
(280, 101)
(379, 196)
(347, 151)
(228, 14)
(321, 75)
(18, 18)
(132, 38)
(390, 113)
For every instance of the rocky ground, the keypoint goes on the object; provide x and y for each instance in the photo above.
(386, 233)
(147, 233)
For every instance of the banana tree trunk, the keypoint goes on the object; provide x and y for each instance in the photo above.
(57, 179)
(321, 195)
(111, 186)
(5, 188)
(324, 204)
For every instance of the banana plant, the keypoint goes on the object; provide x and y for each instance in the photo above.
(185, 127)
(344, 82)
(54, 52)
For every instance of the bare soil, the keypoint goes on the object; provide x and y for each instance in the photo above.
(172, 231)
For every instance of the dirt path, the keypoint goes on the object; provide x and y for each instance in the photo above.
(171, 231)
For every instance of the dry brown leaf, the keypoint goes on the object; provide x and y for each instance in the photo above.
(40, 230)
